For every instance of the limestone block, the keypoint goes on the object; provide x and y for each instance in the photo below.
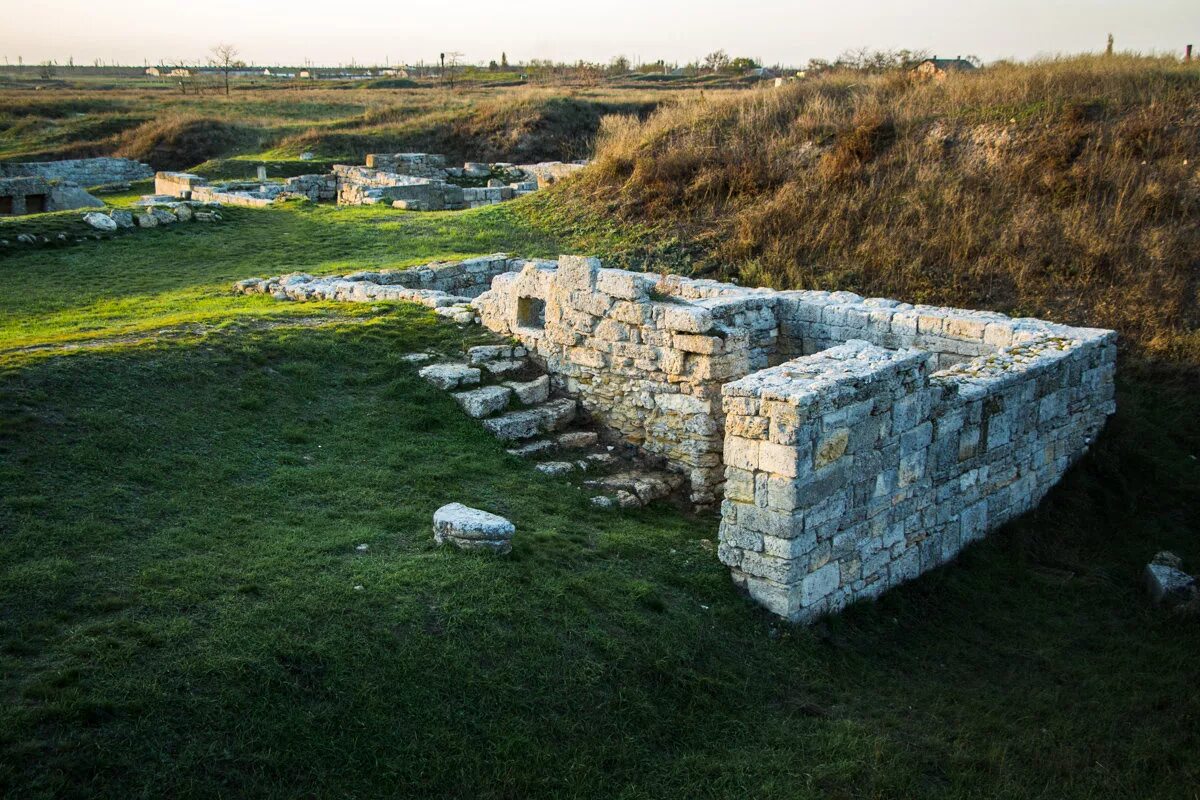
(685, 318)
(530, 392)
(624, 285)
(472, 529)
(485, 401)
(1166, 582)
(578, 272)
(101, 222)
(450, 376)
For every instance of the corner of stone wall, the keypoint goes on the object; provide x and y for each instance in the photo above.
(816, 450)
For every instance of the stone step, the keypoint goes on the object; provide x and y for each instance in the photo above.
(550, 416)
(637, 487)
(576, 440)
(482, 354)
(531, 392)
(505, 366)
(484, 401)
(450, 376)
(536, 447)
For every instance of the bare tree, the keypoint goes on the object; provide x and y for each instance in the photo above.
(450, 63)
(225, 58)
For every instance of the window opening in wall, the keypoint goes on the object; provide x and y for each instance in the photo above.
(531, 312)
(35, 203)
(6, 205)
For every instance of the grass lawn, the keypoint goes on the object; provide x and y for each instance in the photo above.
(184, 611)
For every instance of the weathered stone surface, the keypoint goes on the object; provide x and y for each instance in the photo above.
(577, 439)
(555, 467)
(524, 424)
(472, 529)
(533, 448)
(531, 392)
(1166, 582)
(450, 376)
(484, 401)
(101, 222)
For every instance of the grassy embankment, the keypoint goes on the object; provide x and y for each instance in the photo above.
(174, 131)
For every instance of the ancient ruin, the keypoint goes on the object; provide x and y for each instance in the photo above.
(38, 186)
(852, 443)
(408, 181)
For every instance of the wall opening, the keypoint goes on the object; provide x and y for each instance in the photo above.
(35, 203)
(531, 312)
(6, 205)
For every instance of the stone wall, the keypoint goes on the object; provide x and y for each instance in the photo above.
(177, 184)
(649, 368)
(898, 435)
(858, 468)
(317, 188)
(82, 171)
(423, 165)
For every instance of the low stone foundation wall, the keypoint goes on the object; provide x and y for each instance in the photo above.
(82, 171)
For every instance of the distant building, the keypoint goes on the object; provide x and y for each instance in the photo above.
(938, 68)
(180, 72)
(394, 73)
(153, 72)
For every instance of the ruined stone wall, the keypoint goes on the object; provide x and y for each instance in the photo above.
(648, 367)
(82, 171)
(901, 433)
(424, 165)
(316, 188)
(177, 184)
(30, 195)
(857, 468)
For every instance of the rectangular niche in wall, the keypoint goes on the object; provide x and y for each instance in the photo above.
(35, 203)
(531, 312)
(6, 205)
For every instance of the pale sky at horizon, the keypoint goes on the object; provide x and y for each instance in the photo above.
(774, 31)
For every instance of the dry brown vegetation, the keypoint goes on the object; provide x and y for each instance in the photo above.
(1067, 188)
(523, 125)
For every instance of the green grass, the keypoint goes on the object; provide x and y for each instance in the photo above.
(181, 275)
(179, 614)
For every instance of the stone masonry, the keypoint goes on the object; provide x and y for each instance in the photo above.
(852, 443)
(898, 435)
(82, 171)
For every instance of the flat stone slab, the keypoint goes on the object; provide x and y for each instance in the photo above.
(527, 423)
(484, 353)
(531, 392)
(472, 529)
(483, 402)
(577, 439)
(504, 366)
(532, 448)
(450, 376)
(555, 467)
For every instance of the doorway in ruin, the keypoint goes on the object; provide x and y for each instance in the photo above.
(35, 203)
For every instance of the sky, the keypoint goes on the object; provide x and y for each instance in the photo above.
(369, 32)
